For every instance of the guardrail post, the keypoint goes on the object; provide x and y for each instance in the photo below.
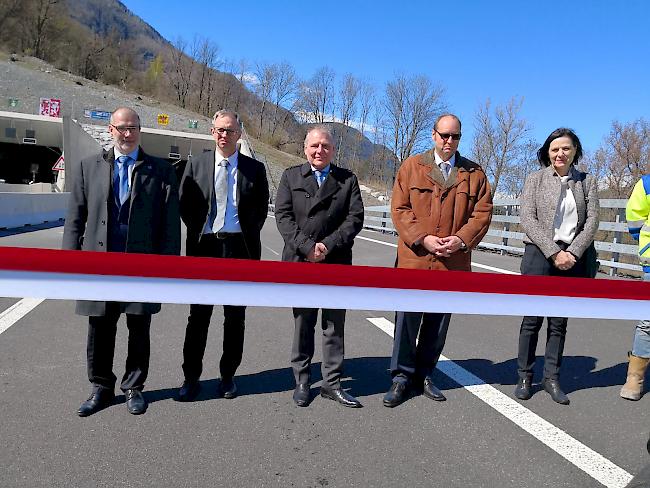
(620, 216)
(383, 222)
(506, 228)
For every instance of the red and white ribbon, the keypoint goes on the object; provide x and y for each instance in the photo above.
(55, 274)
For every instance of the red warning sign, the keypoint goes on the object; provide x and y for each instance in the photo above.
(59, 165)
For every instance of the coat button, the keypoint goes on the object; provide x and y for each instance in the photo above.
(101, 244)
(103, 222)
(306, 195)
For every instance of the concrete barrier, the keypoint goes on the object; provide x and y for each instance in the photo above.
(19, 209)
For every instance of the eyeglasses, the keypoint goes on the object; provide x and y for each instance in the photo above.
(445, 136)
(123, 130)
(223, 130)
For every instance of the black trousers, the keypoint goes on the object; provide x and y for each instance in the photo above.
(101, 348)
(413, 358)
(534, 263)
(302, 351)
(198, 322)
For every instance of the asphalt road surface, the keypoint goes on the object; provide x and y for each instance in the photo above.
(480, 437)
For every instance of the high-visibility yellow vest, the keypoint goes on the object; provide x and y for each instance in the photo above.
(637, 214)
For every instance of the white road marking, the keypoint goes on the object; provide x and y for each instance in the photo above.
(269, 249)
(476, 265)
(581, 456)
(17, 311)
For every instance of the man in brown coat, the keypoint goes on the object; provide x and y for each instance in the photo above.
(441, 207)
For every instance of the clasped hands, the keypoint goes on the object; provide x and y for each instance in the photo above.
(564, 260)
(318, 253)
(442, 247)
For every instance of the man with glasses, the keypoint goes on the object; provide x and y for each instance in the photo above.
(224, 200)
(102, 217)
(441, 207)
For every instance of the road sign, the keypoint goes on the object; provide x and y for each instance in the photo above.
(97, 114)
(163, 119)
(50, 107)
(59, 165)
(13, 102)
(193, 124)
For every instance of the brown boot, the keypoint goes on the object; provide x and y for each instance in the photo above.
(633, 386)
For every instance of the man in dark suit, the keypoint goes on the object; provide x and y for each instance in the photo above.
(319, 212)
(126, 201)
(224, 200)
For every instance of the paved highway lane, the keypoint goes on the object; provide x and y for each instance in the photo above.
(262, 439)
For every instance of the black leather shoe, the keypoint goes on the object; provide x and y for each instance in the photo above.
(431, 391)
(338, 395)
(188, 391)
(301, 395)
(135, 402)
(523, 389)
(227, 389)
(98, 400)
(397, 395)
(553, 389)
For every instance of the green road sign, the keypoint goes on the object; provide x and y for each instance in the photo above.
(13, 102)
(193, 124)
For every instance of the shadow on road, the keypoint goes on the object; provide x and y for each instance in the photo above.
(577, 373)
(362, 377)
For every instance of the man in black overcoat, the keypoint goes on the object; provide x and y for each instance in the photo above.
(125, 201)
(319, 212)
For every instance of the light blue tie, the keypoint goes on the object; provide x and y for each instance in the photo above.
(220, 195)
(123, 185)
(319, 177)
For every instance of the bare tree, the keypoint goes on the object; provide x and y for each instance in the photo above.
(366, 102)
(38, 19)
(9, 9)
(182, 57)
(624, 155)
(208, 59)
(284, 87)
(348, 93)
(266, 75)
(500, 142)
(412, 105)
(316, 96)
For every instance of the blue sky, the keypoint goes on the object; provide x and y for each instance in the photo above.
(580, 64)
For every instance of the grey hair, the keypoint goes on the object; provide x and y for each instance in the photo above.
(127, 109)
(453, 116)
(227, 113)
(319, 128)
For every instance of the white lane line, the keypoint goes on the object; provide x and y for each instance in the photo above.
(476, 265)
(17, 311)
(269, 249)
(581, 456)
(376, 241)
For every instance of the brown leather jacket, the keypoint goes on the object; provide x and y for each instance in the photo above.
(424, 204)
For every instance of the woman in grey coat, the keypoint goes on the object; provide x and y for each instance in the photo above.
(559, 214)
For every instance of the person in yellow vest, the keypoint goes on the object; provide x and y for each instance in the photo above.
(637, 214)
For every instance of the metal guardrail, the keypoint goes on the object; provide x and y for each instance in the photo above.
(506, 213)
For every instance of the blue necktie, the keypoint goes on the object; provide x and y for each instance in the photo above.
(123, 181)
(319, 177)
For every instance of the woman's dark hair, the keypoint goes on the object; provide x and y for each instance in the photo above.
(542, 153)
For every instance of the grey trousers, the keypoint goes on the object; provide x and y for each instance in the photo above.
(302, 351)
